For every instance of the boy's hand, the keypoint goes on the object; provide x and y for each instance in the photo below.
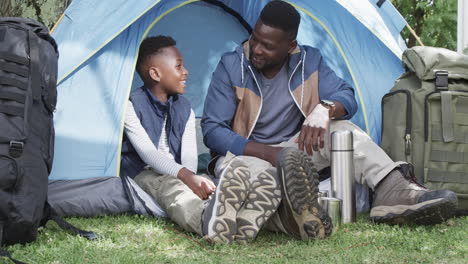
(199, 185)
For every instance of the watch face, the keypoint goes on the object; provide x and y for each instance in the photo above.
(327, 102)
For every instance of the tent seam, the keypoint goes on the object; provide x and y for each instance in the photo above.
(367, 25)
(105, 43)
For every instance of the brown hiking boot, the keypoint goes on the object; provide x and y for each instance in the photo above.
(299, 211)
(400, 200)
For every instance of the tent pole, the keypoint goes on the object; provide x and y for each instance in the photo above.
(462, 26)
(414, 34)
(56, 23)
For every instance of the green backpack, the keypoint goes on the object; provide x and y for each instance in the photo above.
(425, 119)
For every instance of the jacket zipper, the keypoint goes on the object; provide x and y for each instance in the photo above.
(289, 88)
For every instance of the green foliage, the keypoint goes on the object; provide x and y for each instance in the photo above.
(137, 239)
(45, 11)
(434, 21)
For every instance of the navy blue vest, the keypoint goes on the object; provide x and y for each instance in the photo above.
(151, 113)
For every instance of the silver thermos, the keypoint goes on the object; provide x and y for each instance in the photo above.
(342, 173)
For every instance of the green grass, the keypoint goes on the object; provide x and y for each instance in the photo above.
(137, 239)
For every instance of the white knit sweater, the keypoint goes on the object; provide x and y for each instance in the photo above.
(160, 159)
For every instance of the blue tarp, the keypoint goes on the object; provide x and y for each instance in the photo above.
(98, 42)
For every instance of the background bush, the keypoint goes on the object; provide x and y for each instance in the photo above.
(434, 21)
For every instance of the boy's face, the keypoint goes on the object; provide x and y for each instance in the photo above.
(171, 71)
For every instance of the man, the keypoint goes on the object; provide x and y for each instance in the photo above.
(271, 93)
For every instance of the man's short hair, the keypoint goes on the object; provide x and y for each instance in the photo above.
(279, 14)
(152, 46)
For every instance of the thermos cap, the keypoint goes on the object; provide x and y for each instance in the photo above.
(342, 141)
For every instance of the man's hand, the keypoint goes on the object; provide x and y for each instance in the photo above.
(199, 185)
(314, 130)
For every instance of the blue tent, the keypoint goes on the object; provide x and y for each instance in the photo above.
(98, 42)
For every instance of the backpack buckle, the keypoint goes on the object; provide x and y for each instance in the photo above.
(16, 148)
(441, 81)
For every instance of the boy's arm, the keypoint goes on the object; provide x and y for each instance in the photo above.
(201, 186)
(159, 162)
(145, 147)
(189, 153)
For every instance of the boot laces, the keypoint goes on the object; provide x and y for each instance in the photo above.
(407, 170)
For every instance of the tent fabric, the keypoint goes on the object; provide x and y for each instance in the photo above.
(101, 196)
(359, 40)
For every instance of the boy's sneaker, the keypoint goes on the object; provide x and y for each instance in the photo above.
(219, 218)
(300, 213)
(263, 200)
(400, 200)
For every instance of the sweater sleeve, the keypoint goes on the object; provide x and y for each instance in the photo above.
(189, 156)
(145, 147)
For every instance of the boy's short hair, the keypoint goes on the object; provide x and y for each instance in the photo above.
(279, 14)
(149, 47)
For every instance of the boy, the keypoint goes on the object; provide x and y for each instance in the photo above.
(159, 151)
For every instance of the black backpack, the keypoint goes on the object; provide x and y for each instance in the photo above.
(28, 95)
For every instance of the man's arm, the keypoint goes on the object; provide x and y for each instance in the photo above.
(316, 125)
(333, 88)
(219, 110)
(262, 151)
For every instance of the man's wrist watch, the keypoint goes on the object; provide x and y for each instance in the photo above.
(331, 107)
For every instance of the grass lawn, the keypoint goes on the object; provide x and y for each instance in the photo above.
(137, 239)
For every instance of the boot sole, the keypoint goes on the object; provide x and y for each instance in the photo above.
(230, 194)
(426, 213)
(299, 188)
(263, 200)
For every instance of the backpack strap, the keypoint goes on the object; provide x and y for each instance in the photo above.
(35, 78)
(447, 116)
(13, 82)
(12, 110)
(441, 83)
(447, 176)
(52, 215)
(13, 68)
(3, 252)
(13, 58)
